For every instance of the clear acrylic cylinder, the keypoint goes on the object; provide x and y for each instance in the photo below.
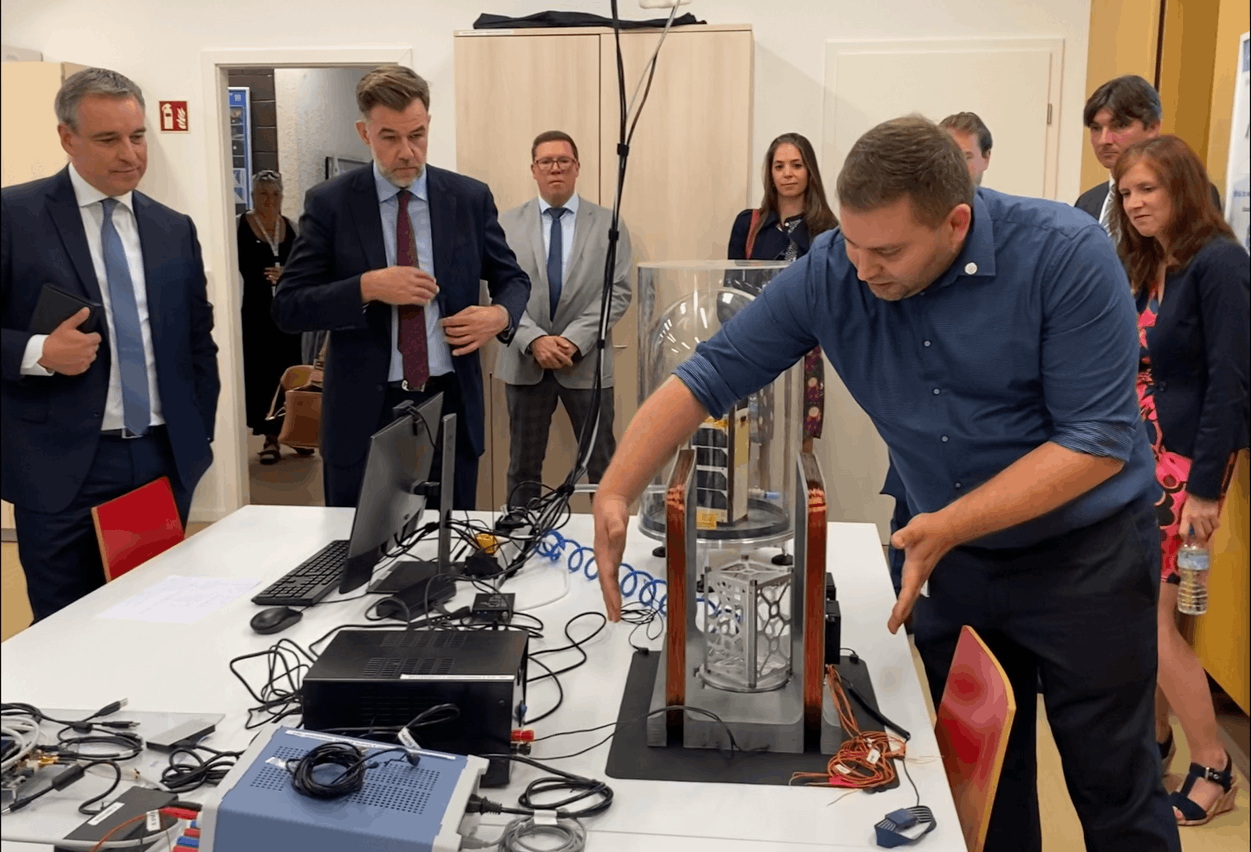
(745, 461)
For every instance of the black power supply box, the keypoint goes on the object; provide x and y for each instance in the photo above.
(369, 680)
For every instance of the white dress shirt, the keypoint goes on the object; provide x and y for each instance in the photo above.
(438, 353)
(91, 208)
(566, 234)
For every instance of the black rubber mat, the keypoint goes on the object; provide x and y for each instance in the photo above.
(631, 756)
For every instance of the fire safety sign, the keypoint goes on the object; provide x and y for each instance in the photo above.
(174, 116)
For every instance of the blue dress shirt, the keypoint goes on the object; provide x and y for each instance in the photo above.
(437, 350)
(1030, 336)
(566, 232)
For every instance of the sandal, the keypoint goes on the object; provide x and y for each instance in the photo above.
(1168, 748)
(304, 451)
(1187, 811)
(270, 454)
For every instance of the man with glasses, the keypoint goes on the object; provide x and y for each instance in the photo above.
(561, 242)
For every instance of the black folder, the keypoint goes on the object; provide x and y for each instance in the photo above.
(55, 306)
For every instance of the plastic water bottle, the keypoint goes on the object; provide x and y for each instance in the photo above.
(1192, 566)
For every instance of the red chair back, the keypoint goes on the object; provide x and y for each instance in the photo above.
(974, 721)
(137, 526)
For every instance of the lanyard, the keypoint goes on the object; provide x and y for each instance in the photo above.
(273, 241)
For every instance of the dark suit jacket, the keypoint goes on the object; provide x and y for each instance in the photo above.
(340, 239)
(1199, 356)
(51, 424)
(1091, 201)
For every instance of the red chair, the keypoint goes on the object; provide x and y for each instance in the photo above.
(137, 526)
(974, 720)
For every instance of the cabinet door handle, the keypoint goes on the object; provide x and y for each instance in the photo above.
(619, 346)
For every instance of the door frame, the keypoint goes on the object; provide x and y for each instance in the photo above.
(229, 472)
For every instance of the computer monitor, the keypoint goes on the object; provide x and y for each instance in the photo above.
(394, 489)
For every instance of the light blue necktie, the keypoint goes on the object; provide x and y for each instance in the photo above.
(127, 334)
(555, 253)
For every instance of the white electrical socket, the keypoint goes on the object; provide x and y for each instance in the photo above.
(663, 4)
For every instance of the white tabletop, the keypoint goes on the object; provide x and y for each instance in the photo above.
(77, 659)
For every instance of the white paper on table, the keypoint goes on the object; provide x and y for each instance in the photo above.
(180, 600)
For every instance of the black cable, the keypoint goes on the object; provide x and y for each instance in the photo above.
(127, 745)
(580, 788)
(734, 746)
(642, 618)
(185, 777)
(352, 761)
(574, 645)
(85, 808)
(560, 692)
(279, 695)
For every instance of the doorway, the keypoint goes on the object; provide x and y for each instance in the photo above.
(300, 115)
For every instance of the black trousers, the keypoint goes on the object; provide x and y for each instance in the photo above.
(59, 552)
(1078, 613)
(530, 410)
(343, 482)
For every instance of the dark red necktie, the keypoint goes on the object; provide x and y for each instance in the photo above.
(412, 331)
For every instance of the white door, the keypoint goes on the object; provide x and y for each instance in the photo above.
(1012, 84)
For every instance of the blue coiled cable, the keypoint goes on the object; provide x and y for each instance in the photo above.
(634, 582)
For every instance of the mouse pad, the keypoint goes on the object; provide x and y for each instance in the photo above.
(631, 756)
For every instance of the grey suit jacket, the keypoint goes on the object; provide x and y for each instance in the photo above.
(577, 315)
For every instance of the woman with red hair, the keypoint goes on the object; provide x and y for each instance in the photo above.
(1190, 277)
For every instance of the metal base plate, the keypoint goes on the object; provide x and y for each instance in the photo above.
(760, 721)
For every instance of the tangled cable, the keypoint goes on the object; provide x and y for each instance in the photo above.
(352, 760)
(863, 761)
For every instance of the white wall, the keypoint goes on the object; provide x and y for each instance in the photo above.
(159, 44)
(316, 119)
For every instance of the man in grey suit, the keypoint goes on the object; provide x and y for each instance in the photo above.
(561, 242)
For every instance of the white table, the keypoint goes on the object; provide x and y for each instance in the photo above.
(75, 659)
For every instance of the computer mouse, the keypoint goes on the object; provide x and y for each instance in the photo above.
(275, 618)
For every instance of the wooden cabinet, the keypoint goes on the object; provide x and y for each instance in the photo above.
(688, 173)
(29, 146)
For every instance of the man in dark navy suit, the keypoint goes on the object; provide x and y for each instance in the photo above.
(390, 259)
(90, 414)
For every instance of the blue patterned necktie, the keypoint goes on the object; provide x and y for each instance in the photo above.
(555, 253)
(127, 334)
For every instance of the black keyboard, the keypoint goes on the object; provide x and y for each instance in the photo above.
(310, 581)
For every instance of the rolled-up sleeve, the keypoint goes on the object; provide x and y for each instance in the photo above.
(759, 343)
(1090, 349)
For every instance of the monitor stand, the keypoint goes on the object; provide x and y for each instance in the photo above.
(408, 572)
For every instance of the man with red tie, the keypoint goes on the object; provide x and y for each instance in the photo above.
(389, 259)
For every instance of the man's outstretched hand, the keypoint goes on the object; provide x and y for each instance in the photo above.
(924, 541)
(612, 515)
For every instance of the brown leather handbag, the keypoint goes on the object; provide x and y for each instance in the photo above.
(298, 402)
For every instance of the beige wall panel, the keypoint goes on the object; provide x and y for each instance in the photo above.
(689, 168)
(509, 89)
(29, 147)
(687, 177)
(1123, 39)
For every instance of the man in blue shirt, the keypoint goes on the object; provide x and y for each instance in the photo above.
(992, 341)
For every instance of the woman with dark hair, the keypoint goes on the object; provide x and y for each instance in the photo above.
(1191, 279)
(792, 213)
(265, 238)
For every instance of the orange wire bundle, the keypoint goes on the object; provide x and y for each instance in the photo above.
(862, 761)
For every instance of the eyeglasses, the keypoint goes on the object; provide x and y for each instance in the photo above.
(546, 164)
